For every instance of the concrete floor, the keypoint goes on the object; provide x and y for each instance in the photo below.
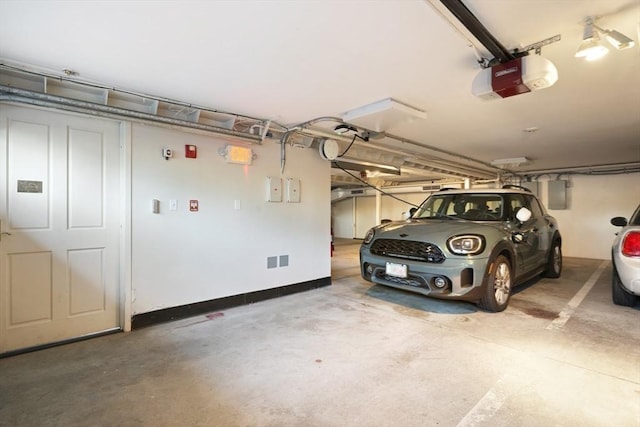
(352, 354)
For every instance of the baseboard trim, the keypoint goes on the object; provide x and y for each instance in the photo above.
(188, 310)
(58, 343)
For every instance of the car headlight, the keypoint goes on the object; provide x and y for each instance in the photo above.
(369, 236)
(468, 244)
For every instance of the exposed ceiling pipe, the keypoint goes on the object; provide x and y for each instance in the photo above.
(474, 171)
(621, 168)
(11, 94)
(21, 68)
(479, 31)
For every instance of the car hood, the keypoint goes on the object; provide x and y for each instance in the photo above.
(433, 230)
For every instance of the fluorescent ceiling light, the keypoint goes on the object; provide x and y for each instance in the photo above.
(510, 163)
(359, 165)
(383, 115)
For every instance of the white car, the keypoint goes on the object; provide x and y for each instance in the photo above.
(625, 255)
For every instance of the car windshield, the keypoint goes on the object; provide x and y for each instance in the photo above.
(469, 206)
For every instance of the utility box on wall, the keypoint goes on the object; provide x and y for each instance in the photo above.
(293, 190)
(557, 195)
(274, 189)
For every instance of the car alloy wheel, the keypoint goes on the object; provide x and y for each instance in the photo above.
(554, 264)
(498, 290)
(502, 283)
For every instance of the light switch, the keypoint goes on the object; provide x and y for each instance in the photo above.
(173, 205)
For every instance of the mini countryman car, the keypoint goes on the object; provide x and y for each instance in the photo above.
(625, 254)
(472, 245)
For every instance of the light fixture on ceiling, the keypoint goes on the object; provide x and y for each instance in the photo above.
(510, 163)
(592, 48)
(383, 115)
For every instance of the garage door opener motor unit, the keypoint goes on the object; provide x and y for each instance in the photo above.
(520, 75)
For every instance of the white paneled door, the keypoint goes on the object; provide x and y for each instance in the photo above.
(60, 223)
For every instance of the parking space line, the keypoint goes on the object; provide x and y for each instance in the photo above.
(486, 407)
(568, 310)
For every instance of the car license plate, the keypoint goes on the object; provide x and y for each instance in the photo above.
(397, 270)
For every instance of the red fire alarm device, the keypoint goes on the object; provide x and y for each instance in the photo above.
(190, 151)
(193, 205)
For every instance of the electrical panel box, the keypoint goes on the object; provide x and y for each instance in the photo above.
(293, 190)
(274, 189)
(557, 195)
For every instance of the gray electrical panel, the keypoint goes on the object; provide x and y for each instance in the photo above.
(557, 195)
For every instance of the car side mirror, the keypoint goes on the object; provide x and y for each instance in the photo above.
(619, 221)
(523, 215)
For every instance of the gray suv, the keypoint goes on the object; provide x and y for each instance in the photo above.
(472, 245)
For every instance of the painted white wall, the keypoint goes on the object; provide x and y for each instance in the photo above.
(181, 257)
(365, 215)
(592, 201)
(342, 218)
(343, 212)
(394, 209)
(585, 227)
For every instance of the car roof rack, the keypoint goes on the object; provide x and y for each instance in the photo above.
(516, 187)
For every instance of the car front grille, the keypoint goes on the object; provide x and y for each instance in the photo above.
(415, 281)
(408, 249)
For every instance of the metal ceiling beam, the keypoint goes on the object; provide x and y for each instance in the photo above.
(479, 31)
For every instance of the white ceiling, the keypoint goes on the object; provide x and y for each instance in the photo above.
(295, 61)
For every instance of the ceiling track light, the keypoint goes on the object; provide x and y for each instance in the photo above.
(616, 38)
(592, 48)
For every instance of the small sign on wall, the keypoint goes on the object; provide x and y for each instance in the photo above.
(193, 205)
(29, 186)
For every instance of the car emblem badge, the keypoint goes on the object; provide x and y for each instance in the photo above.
(403, 235)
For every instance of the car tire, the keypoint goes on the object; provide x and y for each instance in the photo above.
(498, 290)
(554, 263)
(619, 295)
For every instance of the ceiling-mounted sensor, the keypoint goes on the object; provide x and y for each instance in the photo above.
(329, 149)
